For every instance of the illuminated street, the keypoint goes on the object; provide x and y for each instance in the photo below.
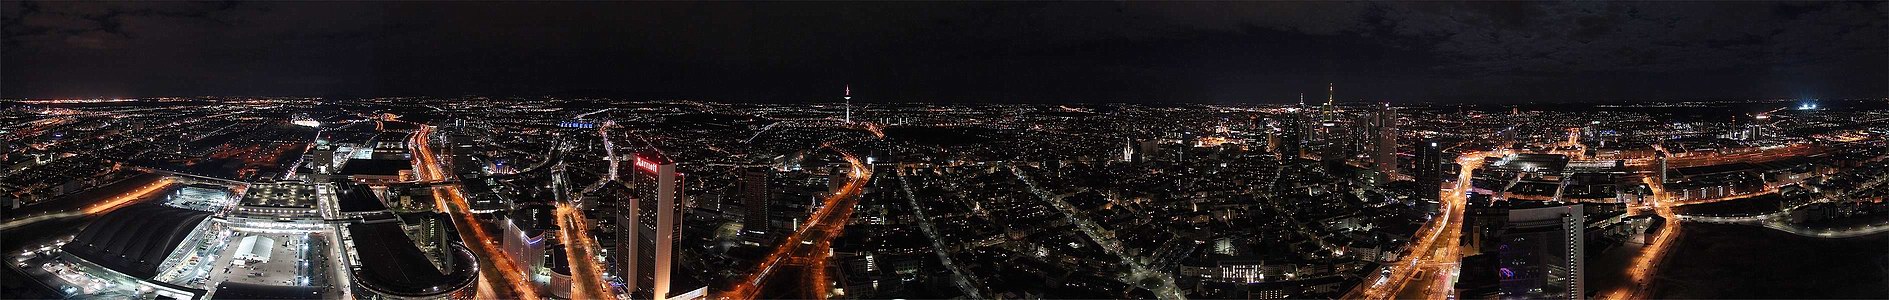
(835, 210)
(586, 272)
(1428, 273)
(504, 278)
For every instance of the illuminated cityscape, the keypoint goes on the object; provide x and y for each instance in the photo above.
(894, 186)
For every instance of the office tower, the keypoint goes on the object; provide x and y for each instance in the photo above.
(1429, 171)
(1540, 254)
(754, 197)
(1331, 99)
(836, 178)
(1291, 144)
(1301, 131)
(1326, 137)
(1272, 136)
(1381, 139)
(1483, 220)
(650, 220)
(1145, 150)
(1661, 157)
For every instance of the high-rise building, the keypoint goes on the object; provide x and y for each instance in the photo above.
(1146, 150)
(1301, 131)
(1381, 139)
(1483, 219)
(650, 221)
(1661, 157)
(754, 199)
(1429, 170)
(1290, 142)
(1272, 136)
(1540, 253)
(836, 179)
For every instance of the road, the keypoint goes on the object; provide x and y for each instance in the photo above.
(958, 276)
(1138, 272)
(821, 227)
(102, 206)
(128, 197)
(587, 275)
(1645, 265)
(510, 282)
(1434, 256)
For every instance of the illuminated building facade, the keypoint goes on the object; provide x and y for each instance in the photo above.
(650, 225)
(1540, 253)
(1381, 139)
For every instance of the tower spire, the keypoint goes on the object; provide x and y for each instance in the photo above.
(1331, 93)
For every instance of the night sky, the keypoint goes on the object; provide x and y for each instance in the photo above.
(1506, 52)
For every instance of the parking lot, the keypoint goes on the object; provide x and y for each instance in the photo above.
(286, 265)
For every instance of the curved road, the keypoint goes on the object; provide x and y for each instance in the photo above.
(822, 226)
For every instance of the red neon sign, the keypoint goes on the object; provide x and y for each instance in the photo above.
(647, 165)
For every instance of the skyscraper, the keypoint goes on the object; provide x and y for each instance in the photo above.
(1381, 143)
(1326, 136)
(1661, 158)
(650, 220)
(1301, 131)
(754, 198)
(1429, 170)
(1540, 253)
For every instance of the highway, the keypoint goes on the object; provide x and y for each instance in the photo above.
(103, 206)
(128, 197)
(808, 243)
(510, 282)
(1435, 252)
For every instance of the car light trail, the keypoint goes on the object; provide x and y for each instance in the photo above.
(840, 204)
(1437, 247)
(1641, 272)
(470, 230)
(127, 197)
(588, 277)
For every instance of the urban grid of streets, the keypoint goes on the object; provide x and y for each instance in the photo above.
(1138, 273)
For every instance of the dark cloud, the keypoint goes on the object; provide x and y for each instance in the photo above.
(1218, 52)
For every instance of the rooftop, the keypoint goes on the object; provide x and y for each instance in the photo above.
(135, 239)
